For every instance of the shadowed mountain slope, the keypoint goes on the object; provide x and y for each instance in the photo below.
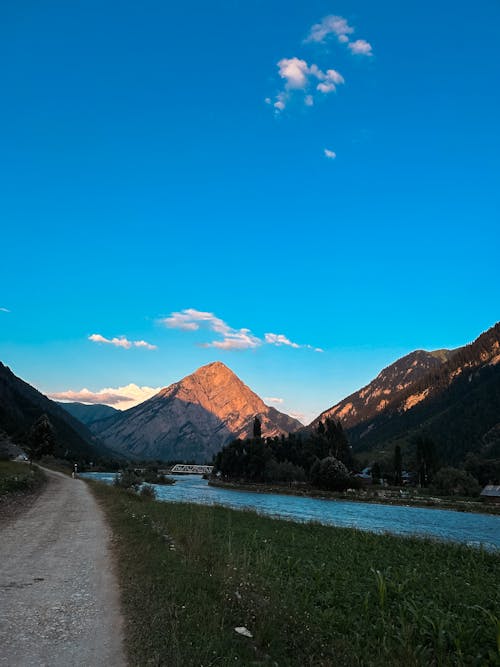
(21, 404)
(88, 414)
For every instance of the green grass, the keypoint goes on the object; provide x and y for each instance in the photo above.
(19, 477)
(309, 594)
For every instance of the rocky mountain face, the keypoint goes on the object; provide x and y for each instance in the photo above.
(391, 383)
(88, 414)
(21, 404)
(192, 419)
(456, 403)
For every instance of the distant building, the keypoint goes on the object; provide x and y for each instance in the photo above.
(491, 493)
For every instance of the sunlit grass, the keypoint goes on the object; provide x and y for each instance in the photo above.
(309, 594)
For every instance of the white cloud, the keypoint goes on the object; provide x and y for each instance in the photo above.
(122, 342)
(121, 398)
(4, 310)
(191, 319)
(361, 47)
(274, 399)
(299, 78)
(331, 155)
(330, 25)
(295, 72)
(338, 26)
(279, 339)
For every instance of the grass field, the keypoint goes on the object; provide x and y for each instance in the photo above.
(309, 594)
(19, 477)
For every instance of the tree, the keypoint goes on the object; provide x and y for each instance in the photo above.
(331, 474)
(41, 440)
(398, 466)
(376, 473)
(426, 459)
(454, 482)
(257, 428)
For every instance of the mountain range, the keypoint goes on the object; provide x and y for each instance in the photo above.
(452, 395)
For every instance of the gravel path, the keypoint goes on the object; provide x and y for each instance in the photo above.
(59, 603)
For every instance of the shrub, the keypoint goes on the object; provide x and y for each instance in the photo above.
(454, 482)
(128, 479)
(330, 474)
(147, 491)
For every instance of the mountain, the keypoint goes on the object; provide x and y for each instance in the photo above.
(391, 382)
(192, 419)
(88, 414)
(456, 403)
(21, 404)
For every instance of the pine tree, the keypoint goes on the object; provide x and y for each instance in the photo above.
(40, 440)
(398, 466)
(257, 428)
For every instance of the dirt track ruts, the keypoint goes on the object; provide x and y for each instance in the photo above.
(59, 600)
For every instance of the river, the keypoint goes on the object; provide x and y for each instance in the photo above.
(471, 529)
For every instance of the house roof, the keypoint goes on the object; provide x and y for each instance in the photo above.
(491, 490)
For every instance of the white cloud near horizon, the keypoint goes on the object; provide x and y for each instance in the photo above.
(331, 155)
(191, 319)
(121, 398)
(121, 341)
(303, 79)
(338, 26)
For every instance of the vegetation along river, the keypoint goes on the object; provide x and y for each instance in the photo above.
(468, 528)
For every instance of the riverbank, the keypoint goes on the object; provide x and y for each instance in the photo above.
(378, 496)
(306, 594)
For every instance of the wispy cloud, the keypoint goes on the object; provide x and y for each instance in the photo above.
(279, 339)
(304, 80)
(361, 48)
(274, 399)
(331, 155)
(330, 25)
(339, 28)
(121, 398)
(4, 310)
(230, 338)
(121, 341)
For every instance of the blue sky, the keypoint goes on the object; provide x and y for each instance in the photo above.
(144, 174)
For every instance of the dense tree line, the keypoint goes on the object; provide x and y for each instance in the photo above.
(323, 457)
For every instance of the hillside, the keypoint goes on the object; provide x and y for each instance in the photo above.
(21, 404)
(192, 419)
(88, 414)
(457, 404)
(392, 382)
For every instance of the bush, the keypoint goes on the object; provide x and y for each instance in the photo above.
(148, 492)
(454, 482)
(330, 474)
(128, 479)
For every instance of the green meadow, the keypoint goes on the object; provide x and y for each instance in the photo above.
(308, 594)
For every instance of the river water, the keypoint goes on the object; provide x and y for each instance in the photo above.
(468, 528)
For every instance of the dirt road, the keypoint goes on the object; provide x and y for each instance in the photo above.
(59, 601)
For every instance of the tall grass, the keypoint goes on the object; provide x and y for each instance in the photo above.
(19, 477)
(308, 594)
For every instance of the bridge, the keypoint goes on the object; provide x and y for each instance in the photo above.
(184, 469)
